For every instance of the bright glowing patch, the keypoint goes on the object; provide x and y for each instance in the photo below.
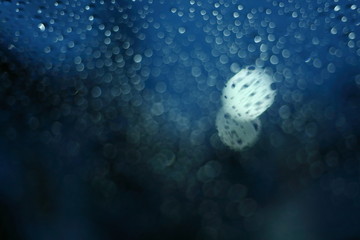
(237, 134)
(248, 94)
(245, 97)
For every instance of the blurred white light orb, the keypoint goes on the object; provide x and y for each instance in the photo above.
(237, 134)
(248, 94)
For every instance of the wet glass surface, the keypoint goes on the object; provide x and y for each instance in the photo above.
(196, 119)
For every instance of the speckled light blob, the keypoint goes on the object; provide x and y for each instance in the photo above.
(245, 97)
(248, 94)
(237, 134)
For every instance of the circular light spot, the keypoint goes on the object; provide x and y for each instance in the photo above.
(137, 58)
(182, 30)
(96, 92)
